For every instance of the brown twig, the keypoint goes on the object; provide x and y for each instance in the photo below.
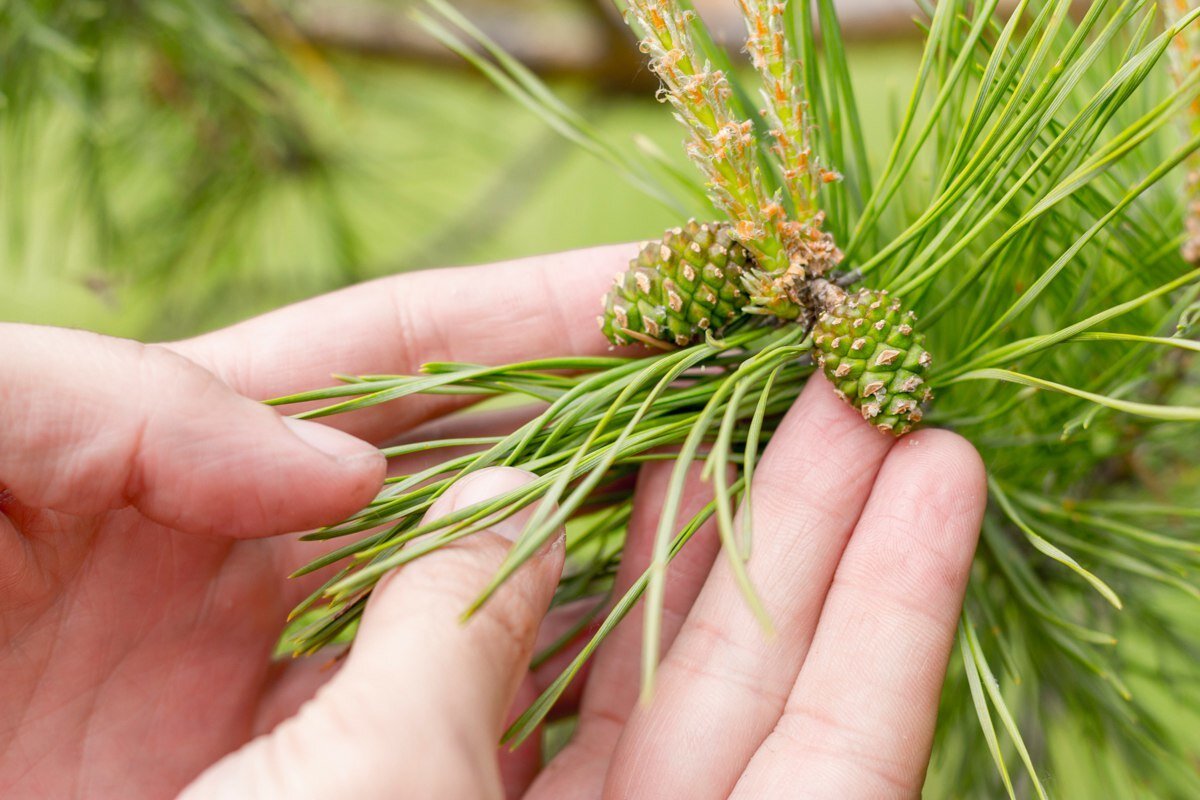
(588, 44)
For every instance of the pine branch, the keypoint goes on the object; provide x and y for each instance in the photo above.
(1025, 209)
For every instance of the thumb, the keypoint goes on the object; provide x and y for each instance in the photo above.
(90, 424)
(420, 703)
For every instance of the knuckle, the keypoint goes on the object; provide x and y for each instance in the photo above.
(507, 625)
(846, 750)
(711, 654)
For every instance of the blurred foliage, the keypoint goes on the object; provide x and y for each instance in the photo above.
(166, 168)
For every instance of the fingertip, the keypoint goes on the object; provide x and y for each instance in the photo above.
(922, 523)
(826, 445)
(948, 467)
(352, 470)
(310, 476)
(332, 443)
(833, 417)
(479, 487)
(462, 569)
(472, 667)
(357, 468)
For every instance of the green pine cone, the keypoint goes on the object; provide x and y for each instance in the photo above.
(866, 345)
(678, 288)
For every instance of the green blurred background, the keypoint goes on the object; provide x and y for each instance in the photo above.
(167, 173)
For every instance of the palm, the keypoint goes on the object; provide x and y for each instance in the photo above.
(147, 635)
(124, 639)
(138, 607)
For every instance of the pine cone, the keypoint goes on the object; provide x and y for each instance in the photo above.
(866, 345)
(678, 288)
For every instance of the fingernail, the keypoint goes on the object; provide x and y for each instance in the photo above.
(342, 447)
(489, 484)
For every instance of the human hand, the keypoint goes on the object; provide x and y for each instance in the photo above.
(862, 546)
(139, 598)
(861, 552)
(105, 706)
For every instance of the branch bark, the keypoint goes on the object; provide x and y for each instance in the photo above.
(587, 40)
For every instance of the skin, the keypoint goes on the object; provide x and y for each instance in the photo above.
(144, 498)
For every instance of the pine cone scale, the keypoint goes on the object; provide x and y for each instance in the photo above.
(678, 288)
(866, 345)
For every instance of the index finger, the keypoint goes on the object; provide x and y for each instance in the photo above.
(492, 314)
